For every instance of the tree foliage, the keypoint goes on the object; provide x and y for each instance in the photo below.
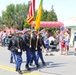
(0, 20)
(49, 15)
(15, 16)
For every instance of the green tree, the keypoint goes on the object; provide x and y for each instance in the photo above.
(8, 15)
(21, 14)
(44, 15)
(0, 20)
(52, 15)
(15, 15)
(49, 15)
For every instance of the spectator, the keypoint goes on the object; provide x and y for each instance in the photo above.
(67, 40)
(75, 43)
(62, 43)
(3, 38)
(47, 45)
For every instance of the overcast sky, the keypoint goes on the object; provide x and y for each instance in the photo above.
(64, 8)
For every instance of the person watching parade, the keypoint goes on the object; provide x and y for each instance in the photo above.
(11, 46)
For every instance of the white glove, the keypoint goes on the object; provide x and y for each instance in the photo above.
(37, 37)
(19, 50)
(31, 35)
(41, 47)
(36, 48)
(30, 46)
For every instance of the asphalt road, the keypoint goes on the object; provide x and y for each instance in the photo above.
(55, 65)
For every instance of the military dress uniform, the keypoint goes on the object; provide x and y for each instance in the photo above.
(19, 53)
(27, 49)
(16, 45)
(39, 48)
(33, 50)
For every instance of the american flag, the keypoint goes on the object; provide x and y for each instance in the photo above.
(30, 16)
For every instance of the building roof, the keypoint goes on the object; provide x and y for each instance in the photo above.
(71, 27)
(69, 22)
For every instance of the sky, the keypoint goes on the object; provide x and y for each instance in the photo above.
(64, 9)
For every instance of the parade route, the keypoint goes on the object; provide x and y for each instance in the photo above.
(13, 70)
(7, 68)
(55, 65)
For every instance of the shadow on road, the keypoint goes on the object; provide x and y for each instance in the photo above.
(46, 69)
(47, 66)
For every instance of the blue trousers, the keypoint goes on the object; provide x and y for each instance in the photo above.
(13, 55)
(39, 55)
(28, 57)
(47, 46)
(34, 57)
(19, 61)
(3, 42)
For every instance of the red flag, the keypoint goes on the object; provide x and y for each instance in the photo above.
(33, 5)
(30, 16)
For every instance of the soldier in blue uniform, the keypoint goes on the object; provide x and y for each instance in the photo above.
(16, 45)
(20, 44)
(33, 49)
(27, 48)
(39, 48)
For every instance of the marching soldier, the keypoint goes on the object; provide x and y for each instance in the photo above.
(39, 48)
(15, 45)
(33, 49)
(27, 48)
(20, 44)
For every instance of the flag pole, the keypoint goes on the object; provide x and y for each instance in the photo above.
(30, 18)
(37, 39)
(38, 17)
(31, 37)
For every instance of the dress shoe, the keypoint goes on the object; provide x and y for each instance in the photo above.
(27, 67)
(20, 72)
